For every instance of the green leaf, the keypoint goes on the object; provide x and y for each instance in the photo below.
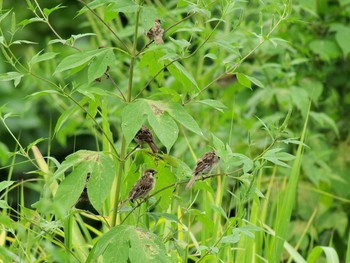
(148, 14)
(151, 60)
(218, 105)
(182, 75)
(342, 37)
(244, 80)
(42, 57)
(326, 49)
(255, 81)
(163, 125)
(133, 116)
(99, 166)
(125, 6)
(129, 244)
(330, 253)
(31, 20)
(179, 113)
(100, 63)
(5, 184)
(277, 157)
(101, 180)
(47, 11)
(69, 190)
(77, 60)
(324, 121)
(15, 76)
(3, 16)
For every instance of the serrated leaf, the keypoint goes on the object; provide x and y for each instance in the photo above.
(133, 116)
(100, 63)
(180, 115)
(98, 166)
(70, 189)
(163, 125)
(244, 80)
(101, 180)
(129, 244)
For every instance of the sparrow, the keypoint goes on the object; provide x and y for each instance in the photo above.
(156, 32)
(203, 166)
(144, 135)
(142, 187)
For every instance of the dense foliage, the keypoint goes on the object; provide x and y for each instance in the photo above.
(263, 83)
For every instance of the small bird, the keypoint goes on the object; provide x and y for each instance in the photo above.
(142, 187)
(203, 166)
(156, 32)
(144, 135)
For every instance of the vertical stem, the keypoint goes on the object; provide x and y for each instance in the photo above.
(123, 142)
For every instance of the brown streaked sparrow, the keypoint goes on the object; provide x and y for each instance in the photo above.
(144, 135)
(142, 187)
(156, 32)
(203, 166)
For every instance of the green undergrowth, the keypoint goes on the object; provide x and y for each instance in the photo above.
(250, 80)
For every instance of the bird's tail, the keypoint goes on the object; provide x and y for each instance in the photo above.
(123, 203)
(190, 183)
(154, 147)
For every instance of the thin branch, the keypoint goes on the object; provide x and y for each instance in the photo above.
(105, 24)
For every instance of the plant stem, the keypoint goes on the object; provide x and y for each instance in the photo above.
(128, 99)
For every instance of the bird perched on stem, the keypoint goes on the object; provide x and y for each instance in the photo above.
(142, 187)
(156, 32)
(144, 135)
(203, 166)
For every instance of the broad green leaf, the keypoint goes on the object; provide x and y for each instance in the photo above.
(244, 80)
(76, 60)
(326, 49)
(148, 14)
(69, 190)
(163, 125)
(151, 60)
(342, 37)
(98, 166)
(133, 116)
(101, 180)
(182, 75)
(179, 114)
(99, 64)
(125, 6)
(129, 244)
(4, 154)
